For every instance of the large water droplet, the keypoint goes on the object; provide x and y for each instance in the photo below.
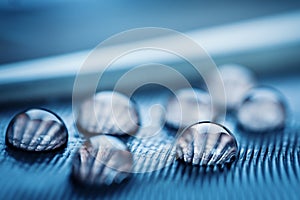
(237, 81)
(108, 113)
(36, 130)
(102, 160)
(188, 106)
(263, 109)
(206, 143)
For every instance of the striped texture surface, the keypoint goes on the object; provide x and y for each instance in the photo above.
(267, 167)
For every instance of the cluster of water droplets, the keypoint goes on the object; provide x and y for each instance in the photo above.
(105, 159)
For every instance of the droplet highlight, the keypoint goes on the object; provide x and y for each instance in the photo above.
(108, 112)
(206, 143)
(263, 109)
(102, 160)
(188, 106)
(36, 130)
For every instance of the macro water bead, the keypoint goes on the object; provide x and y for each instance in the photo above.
(188, 106)
(36, 130)
(237, 80)
(108, 112)
(206, 143)
(102, 160)
(263, 109)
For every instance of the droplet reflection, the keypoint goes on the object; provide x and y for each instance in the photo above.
(263, 109)
(108, 113)
(188, 106)
(102, 160)
(237, 81)
(36, 130)
(206, 143)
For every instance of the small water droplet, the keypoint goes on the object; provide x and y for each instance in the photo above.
(36, 130)
(263, 109)
(102, 160)
(237, 81)
(188, 106)
(206, 143)
(108, 112)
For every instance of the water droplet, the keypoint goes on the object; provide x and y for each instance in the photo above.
(237, 81)
(206, 143)
(263, 109)
(102, 160)
(188, 106)
(108, 113)
(36, 130)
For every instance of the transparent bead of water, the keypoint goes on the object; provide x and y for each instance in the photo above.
(188, 106)
(263, 109)
(102, 160)
(237, 81)
(206, 143)
(36, 130)
(108, 112)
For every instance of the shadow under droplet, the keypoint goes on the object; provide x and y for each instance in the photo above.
(208, 169)
(93, 191)
(32, 157)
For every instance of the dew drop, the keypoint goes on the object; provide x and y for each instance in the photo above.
(188, 106)
(102, 160)
(263, 109)
(237, 80)
(36, 130)
(206, 143)
(108, 112)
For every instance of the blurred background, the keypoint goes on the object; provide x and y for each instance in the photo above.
(34, 29)
(43, 43)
